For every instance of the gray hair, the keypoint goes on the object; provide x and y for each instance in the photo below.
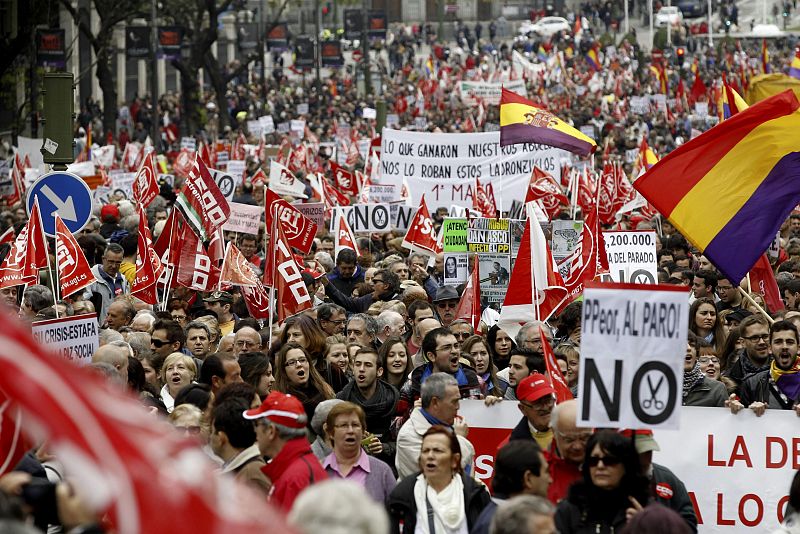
(324, 259)
(435, 386)
(284, 432)
(385, 318)
(338, 506)
(130, 223)
(130, 309)
(197, 325)
(108, 335)
(122, 344)
(370, 324)
(558, 409)
(139, 343)
(38, 297)
(107, 370)
(523, 331)
(114, 248)
(514, 515)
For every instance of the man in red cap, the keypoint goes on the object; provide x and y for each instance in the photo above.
(536, 401)
(281, 435)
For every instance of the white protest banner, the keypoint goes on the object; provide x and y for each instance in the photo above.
(392, 120)
(283, 182)
(736, 468)
(244, 218)
(632, 256)
(236, 169)
(367, 218)
(302, 108)
(283, 127)
(267, 124)
(402, 216)
(383, 193)
(189, 143)
(75, 338)
(444, 167)
(297, 125)
(488, 92)
(660, 101)
(456, 269)
(222, 158)
(639, 105)
(122, 182)
(254, 128)
(225, 182)
(369, 113)
(314, 211)
(633, 344)
(701, 110)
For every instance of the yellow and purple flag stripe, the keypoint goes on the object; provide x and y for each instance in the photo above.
(729, 190)
(523, 122)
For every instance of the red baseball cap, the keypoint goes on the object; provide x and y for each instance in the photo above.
(533, 387)
(109, 210)
(281, 409)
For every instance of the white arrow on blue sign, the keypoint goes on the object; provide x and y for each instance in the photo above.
(64, 193)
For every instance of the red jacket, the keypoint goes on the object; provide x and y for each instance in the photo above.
(562, 472)
(291, 471)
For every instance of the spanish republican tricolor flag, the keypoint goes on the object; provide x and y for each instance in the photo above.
(730, 103)
(522, 122)
(794, 68)
(729, 189)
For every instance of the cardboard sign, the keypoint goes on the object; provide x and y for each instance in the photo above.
(244, 218)
(189, 143)
(368, 218)
(454, 238)
(236, 168)
(633, 343)
(488, 236)
(302, 108)
(225, 182)
(495, 273)
(402, 216)
(74, 338)
(456, 269)
(566, 235)
(489, 92)
(122, 183)
(314, 211)
(267, 124)
(632, 257)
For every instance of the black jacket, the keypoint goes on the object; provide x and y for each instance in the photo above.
(403, 508)
(667, 489)
(737, 373)
(522, 431)
(590, 510)
(759, 387)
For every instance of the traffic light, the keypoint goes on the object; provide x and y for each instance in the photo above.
(680, 54)
(326, 9)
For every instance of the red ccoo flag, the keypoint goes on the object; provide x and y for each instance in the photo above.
(28, 253)
(282, 272)
(195, 268)
(148, 265)
(299, 229)
(201, 202)
(563, 392)
(762, 282)
(139, 486)
(543, 187)
(257, 300)
(145, 185)
(345, 180)
(74, 271)
(419, 237)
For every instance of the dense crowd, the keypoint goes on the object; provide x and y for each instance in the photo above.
(345, 416)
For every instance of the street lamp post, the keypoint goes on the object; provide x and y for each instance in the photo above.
(154, 134)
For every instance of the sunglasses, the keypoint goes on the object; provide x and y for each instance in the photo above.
(158, 343)
(608, 461)
(447, 304)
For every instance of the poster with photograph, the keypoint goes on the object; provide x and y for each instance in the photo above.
(456, 269)
(566, 235)
(495, 272)
(516, 229)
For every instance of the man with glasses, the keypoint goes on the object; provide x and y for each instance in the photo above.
(390, 324)
(446, 302)
(729, 296)
(109, 283)
(167, 337)
(462, 330)
(442, 354)
(754, 357)
(528, 336)
(536, 401)
(567, 450)
(246, 339)
(331, 318)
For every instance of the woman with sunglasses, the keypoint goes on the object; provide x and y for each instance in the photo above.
(295, 375)
(612, 490)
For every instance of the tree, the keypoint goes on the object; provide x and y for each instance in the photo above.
(110, 13)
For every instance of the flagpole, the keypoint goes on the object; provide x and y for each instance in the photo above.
(168, 268)
(222, 269)
(272, 229)
(50, 272)
(752, 301)
(534, 293)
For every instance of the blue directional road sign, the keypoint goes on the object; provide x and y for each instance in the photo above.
(64, 193)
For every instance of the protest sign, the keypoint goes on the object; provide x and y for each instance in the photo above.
(639, 105)
(302, 108)
(297, 125)
(236, 169)
(383, 193)
(225, 182)
(444, 167)
(368, 218)
(75, 338)
(402, 216)
(314, 211)
(189, 143)
(243, 218)
(456, 269)
(737, 480)
(633, 343)
(566, 235)
(495, 273)
(254, 128)
(488, 236)
(632, 257)
(488, 92)
(122, 183)
(454, 238)
(516, 229)
(267, 124)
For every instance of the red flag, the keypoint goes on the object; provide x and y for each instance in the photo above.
(184, 162)
(482, 203)
(607, 193)
(698, 88)
(544, 187)
(8, 236)
(469, 306)
(298, 229)
(534, 279)
(201, 202)
(148, 264)
(563, 392)
(89, 423)
(762, 281)
(345, 180)
(236, 269)
(257, 300)
(588, 260)
(420, 237)
(237, 151)
(344, 238)
(196, 270)
(259, 178)
(28, 253)
(74, 272)
(282, 271)
(145, 186)
(332, 196)
(13, 445)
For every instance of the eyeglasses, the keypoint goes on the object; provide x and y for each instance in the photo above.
(543, 404)
(337, 323)
(295, 362)
(757, 337)
(191, 430)
(158, 343)
(608, 461)
(179, 317)
(462, 335)
(242, 344)
(354, 426)
(447, 348)
(377, 281)
(709, 360)
(447, 304)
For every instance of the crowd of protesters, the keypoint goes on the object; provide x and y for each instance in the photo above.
(356, 400)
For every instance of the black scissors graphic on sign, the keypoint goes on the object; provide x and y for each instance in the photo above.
(653, 400)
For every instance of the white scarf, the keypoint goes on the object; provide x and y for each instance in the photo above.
(449, 514)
